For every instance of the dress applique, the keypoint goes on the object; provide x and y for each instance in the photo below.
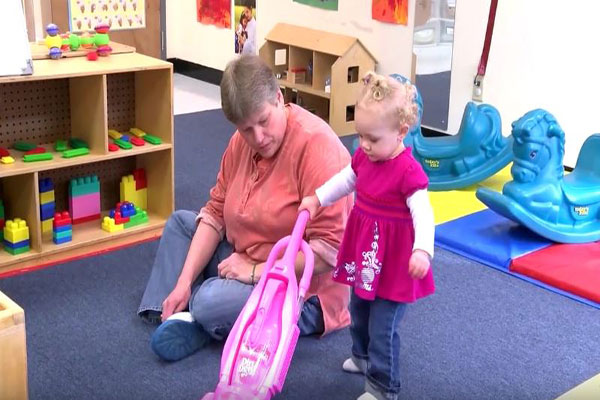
(371, 265)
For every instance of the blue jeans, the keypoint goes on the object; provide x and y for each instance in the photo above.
(215, 303)
(376, 343)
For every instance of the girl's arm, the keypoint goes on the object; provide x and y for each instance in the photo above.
(340, 185)
(423, 222)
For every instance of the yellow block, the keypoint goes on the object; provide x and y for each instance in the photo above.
(16, 230)
(7, 160)
(137, 132)
(108, 224)
(589, 389)
(142, 198)
(454, 204)
(127, 189)
(47, 197)
(114, 134)
(13, 350)
(47, 225)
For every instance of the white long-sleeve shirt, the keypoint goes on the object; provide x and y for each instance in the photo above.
(344, 183)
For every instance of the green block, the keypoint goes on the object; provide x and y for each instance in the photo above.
(63, 234)
(24, 146)
(37, 157)
(123, 144)
(77, 143)
(84, 185)
(60, 145)
(152, 139)
(141, 217)
(20, 250)
(1, 209)
(76, 152)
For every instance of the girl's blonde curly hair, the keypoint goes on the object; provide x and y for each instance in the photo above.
(395, 100)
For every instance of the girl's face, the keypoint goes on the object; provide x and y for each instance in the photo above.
(378, 137)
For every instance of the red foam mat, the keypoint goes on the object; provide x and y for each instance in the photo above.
(574, 268)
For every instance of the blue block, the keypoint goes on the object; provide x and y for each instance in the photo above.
(46, 185)
(47, 211)
(127, 210)
(125, 138)
(62, 240)
(17, 245)
(488, 238)
(62, 228)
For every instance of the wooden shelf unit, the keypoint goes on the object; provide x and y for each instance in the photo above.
(338, 60)
(73, 97)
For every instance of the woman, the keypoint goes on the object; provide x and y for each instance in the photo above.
(207, 263)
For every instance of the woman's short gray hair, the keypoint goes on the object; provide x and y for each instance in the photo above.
(247, 84)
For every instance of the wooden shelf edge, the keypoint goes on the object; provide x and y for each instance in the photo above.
(304, 88)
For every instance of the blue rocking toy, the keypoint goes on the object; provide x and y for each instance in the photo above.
(474, 154)
(561, 208)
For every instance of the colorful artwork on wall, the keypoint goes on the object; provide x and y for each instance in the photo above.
(84, 15)
(244, 20)
(214, 12)
(393, 11)
(326, 4)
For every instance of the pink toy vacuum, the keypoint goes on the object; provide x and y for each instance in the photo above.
(259, 348)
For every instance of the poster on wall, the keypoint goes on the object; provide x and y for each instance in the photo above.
(244, 18)
(326, 4)
(84, 15)
(393, 11)
(214, 12)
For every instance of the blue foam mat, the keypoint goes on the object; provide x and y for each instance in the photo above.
(488, 238)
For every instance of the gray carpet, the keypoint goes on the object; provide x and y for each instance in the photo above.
(483, 335)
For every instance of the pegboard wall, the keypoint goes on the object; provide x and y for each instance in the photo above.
(109, 173)
(121, 101)
(37, 112)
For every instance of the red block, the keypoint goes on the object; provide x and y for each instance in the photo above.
(139, 175)
(137, 141)
(119, 219)
(37, 150)
(4, 152)
(112, 147)
(574, 268)
(86, 219)
(61, 219)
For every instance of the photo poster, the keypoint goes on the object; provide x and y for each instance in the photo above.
(214, 12)
(245, 26)
(325, 4)
(120, 15)
(392, 11)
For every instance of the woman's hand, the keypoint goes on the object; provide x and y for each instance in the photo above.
(236, 267)
(418, 264)
(310, 203)
(176, 301)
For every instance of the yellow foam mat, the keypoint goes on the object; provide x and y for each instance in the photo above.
(454, 204)
(588, 390)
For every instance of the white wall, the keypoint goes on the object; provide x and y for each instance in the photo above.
(213, 47)
(544, 54)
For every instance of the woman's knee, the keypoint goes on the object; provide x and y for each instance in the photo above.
(182, 220)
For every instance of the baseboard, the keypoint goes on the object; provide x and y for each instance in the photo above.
(196, 71)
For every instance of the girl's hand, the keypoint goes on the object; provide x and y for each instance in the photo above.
(310, 203)
(236, 267)
(419, 264)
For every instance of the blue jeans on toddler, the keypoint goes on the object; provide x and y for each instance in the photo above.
(215, 303)
(376, 344)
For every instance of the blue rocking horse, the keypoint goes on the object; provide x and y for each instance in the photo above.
(474, 154)
(561, 208)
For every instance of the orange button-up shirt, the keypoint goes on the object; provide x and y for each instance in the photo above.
(255, 201)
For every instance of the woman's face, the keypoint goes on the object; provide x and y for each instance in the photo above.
(264, 131)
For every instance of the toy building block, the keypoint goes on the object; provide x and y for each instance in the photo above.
(7, 160)
(37, 150)
(46, 211)
(16, 230)
(124, 138)
(126, 209)
(47, 225)
(137, 132)
(141, 217)
(16, 250)
(60, 145)
(37, 157)
(75, 152)
(61, 219)
(127, 189)
(119, 219)
(4, 152)
(47, 197)
(78, 143)
(108, 224)
(84, 185)
(62, 231)
(114, 134)
(86, 205)
(152, 139)
(112, 147)
(24, 146)
(45, 185)
(139, 175)
(122, 144)
(137, 141)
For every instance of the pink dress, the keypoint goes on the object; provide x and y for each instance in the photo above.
(379, 235)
